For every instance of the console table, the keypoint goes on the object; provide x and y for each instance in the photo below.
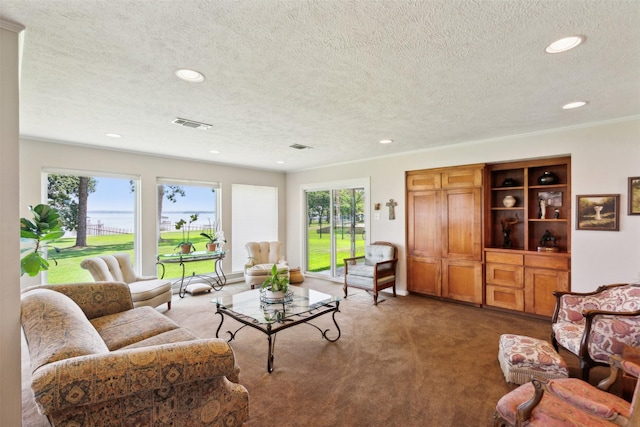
(216, 279)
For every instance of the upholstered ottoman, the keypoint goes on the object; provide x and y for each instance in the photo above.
(521, 357)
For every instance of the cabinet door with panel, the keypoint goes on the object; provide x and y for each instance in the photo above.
(462, 224)
(424, 275)
(543, 275)
(423, 223)
(462, 280)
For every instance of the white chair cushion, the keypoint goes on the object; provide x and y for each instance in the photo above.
(377, 253)
(147, 289)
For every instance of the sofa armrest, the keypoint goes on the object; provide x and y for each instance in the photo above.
(96, 299)
(143, 278)
(91, 379)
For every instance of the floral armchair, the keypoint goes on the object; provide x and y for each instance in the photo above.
(596, 325)
(570, 402)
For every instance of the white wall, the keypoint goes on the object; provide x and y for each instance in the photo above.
(10, 391)
(36, 155)
(603, 157)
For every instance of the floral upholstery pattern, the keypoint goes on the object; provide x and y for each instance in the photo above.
(550, 412)
(521, 357)
(96, 299)
(570, 402)
(589, 398)
(175, 379)
(607, 332)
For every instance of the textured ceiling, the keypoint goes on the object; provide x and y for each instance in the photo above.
(336, 75)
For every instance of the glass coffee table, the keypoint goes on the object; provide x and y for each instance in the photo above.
(271, 318)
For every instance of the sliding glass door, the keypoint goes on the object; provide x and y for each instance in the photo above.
(336, 228)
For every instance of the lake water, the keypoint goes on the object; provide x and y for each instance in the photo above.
(123, 220)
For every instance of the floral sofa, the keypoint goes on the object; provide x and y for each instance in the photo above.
(98, 361)
(596, 325)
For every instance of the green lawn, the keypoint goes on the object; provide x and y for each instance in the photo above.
(68, 268)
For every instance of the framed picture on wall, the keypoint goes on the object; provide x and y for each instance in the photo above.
(634, 195)
(598, 212)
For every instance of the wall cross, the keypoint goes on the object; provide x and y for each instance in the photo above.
(392, 212)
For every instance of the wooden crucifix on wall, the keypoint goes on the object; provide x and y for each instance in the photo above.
(392, 212)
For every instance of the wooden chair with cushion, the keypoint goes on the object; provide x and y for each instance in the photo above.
(570, 402)
(596, 325)
(145, 290)
(373, 271)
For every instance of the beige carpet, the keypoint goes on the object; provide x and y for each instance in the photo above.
(410, 361)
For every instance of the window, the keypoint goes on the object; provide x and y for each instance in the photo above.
(255, 218)
(98, 213)
(197, 204)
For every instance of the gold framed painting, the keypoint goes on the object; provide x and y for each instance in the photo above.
(598, 212)
(634, 195)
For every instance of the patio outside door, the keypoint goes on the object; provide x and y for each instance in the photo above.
(335, 229)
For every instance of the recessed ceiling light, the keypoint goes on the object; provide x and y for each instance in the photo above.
(564, 44)
(386, 141)
(572, 105)
(281, 162)
(113, 135)
(190, 76)
(214, 152)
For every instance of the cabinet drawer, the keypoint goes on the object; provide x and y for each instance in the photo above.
(462, 178)
(505, 275)
(503, 258)
(424, 181)
(556, 263)
(503, 297)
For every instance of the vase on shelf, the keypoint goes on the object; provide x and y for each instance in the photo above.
(185, 248)
(211, 247)
(509, 182)
(547, 178)
(509, 201)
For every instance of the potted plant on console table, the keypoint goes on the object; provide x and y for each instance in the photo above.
(215, 236)
(186, 246)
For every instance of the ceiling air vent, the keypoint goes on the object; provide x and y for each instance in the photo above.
(299, 146)
(191, 124)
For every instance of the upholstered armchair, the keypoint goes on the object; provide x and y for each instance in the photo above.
(570, 402)
(373, 271)
(596, 325)
(262, 256)
(145, 290)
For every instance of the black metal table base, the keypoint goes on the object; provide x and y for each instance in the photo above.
(217, 279)
(271, 329)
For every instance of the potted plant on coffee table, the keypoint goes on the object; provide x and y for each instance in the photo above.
(186, 246)
(276, 286)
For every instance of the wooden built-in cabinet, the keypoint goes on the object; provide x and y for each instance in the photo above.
(522, 275)
(456, 246)
(444, 232)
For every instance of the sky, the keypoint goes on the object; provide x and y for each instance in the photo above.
(114, 194)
